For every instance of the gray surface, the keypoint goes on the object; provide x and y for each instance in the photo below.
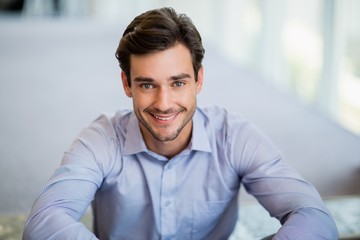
(255, 223)
(57, 76)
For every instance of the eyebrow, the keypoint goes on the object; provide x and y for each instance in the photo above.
(143, 79)
(180, 76)
(173, 78)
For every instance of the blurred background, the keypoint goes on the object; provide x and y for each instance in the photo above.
(290, 66)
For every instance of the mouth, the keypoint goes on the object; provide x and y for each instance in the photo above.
(164, 118)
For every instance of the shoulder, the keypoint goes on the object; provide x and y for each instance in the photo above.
(232, 131)
(109, 124)
(221, 120)
(101, 140)
(104, 133)
(227, 129)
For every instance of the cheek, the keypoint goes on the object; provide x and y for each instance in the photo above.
(141, 100)
(188, 98)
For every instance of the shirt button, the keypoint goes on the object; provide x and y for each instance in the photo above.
(167, 203)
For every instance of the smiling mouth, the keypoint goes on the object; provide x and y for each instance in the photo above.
(163, 117)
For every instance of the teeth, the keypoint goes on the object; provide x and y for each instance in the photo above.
(164, 118)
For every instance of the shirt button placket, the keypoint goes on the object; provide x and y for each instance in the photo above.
(167, 209)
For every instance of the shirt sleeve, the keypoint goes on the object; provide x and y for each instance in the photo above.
(61, 204)
(278, 187)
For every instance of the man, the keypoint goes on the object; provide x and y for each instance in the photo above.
(168, 169)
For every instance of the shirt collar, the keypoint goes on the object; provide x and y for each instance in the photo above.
(200, 139)
(134, 142)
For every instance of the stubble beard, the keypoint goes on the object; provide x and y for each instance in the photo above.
(170, 136)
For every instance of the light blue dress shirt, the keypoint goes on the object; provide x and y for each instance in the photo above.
(138, 194)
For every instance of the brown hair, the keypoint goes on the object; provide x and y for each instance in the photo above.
(157, 30)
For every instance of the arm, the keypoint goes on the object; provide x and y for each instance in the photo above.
(308, 223)
(279, 188)
(69, 192)
(293, 201)
(56, 213)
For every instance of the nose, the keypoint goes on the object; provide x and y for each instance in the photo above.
(163, 99)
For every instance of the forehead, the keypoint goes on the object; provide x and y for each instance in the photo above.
(171, 61)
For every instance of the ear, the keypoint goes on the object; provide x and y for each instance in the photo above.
(125, 83)
(200, 79)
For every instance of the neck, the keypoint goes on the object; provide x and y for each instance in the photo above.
(168, 149)
(171, 148)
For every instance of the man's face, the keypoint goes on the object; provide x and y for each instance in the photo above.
(164, 89)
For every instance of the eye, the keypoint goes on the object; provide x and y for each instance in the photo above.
(146, 86)
(179, 84)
